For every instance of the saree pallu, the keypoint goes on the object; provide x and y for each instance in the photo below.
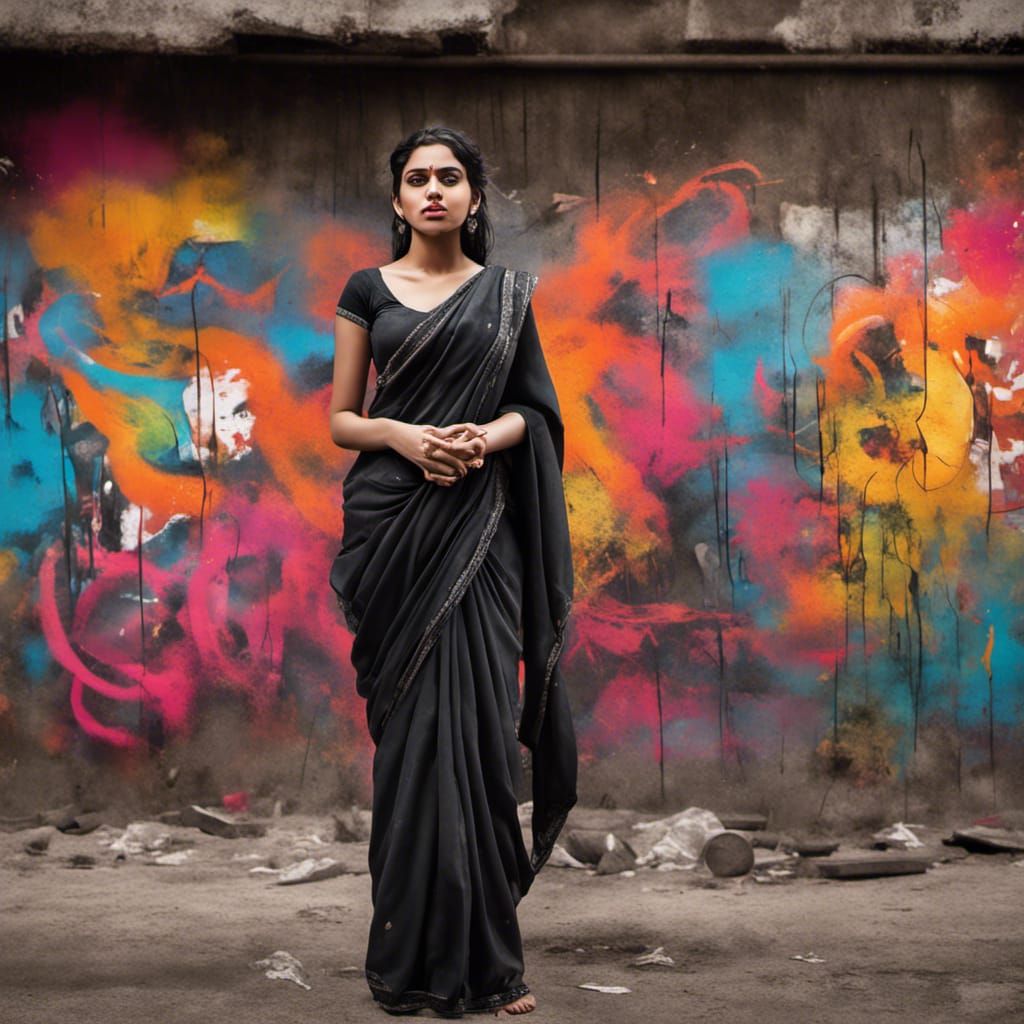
(445, 589)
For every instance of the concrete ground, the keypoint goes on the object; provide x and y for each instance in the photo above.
(138, 942)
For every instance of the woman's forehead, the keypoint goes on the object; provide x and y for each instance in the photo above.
(436, 155)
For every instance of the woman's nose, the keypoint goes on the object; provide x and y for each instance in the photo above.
(433, 187)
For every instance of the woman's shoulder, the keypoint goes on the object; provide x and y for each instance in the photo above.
(518, 272)
(364, 274)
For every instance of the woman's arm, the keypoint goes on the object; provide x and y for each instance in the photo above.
(504, 431)
(351, 429)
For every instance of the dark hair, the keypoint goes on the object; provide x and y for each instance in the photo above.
(477, 244)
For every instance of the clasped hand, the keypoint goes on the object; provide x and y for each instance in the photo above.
(447, 454)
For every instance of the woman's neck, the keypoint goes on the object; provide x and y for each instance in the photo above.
(440, 255)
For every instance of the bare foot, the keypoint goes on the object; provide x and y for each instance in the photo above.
(524, 1004)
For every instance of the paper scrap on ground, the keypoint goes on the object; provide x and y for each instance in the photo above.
(900, 836)
(281, 965)
(174, 859)
(809, 958)
(138, 837)
(311, 870)
(656, 958)
(611, 990)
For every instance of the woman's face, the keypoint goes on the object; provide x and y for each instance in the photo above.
(435, 195)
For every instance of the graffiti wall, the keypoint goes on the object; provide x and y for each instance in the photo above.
(795, 436)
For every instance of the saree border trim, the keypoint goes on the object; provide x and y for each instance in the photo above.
(427, 328)
(354, 317)
(553, 656)
(545, 842)
(506, 330)
(455, 594)
(419, 999)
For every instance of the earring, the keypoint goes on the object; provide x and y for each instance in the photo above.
(400, 225)
(471, 223)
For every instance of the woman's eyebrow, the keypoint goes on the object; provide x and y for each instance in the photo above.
(440, 170)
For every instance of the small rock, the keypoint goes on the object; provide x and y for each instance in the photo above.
(37, 842)
(618, 856)
(312, 870)
(352, 825)
(217, 824)
(588, 845)
(82, 824)
(59, 817)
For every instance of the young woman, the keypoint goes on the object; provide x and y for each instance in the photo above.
(455, 564)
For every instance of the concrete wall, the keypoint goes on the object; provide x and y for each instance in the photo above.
(796, 521)
(525, 27)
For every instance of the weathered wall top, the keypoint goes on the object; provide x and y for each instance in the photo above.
(516, 27)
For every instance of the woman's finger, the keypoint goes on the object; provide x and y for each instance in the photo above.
(443, 481)
(444, 466)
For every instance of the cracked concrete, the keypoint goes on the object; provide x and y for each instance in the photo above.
(515, 27)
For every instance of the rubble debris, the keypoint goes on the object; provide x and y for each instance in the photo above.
(561, 858)
(897, 837)
(82, 824)
(872, 865)
(611, 990)
(677, 839)
(813, 847)
(236, 803)
(618, 856)
(59, 817)
(587, 845)
(762, 840)
(764, 859)
(81, 860)
(742, 822)
(173, 860)
(281, 965)
(311, 870)
(656, 958)
(352, 825)
(809, 958)
(773, 875)
(727, 854)
(37, 842)
(139, 837)
(985, 839)
(216, 824)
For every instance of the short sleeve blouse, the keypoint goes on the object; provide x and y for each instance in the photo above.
(367, 301)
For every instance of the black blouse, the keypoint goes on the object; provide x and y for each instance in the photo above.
(366, 300)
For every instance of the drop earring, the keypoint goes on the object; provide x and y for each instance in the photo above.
(471, 223)
(400, 226)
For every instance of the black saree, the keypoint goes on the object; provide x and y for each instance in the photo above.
(445, 589)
